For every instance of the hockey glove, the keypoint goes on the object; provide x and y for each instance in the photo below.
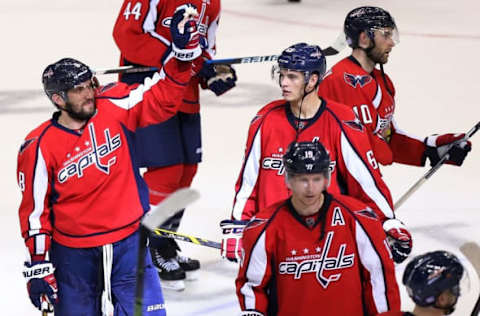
(232, 246)
(41, 283)
(184, 31)
(399, 239)
(440, 145)
(218, 78)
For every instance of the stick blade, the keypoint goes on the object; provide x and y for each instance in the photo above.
(176, 201)
(337, 46)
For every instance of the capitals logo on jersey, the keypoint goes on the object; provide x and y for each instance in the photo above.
(25, 144)
(356, 124)
(92, 156)
(355, 80)
(319, 263)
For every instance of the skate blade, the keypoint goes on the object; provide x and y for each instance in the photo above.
(192, 275)
(178, 285)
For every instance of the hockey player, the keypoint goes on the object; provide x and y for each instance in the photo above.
(301, 115)
(355, 81)
(171, 150)
(82, 196)
(304, 255)
(433, 283)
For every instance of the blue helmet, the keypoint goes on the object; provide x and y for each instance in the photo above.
(367, 19)
(306, 157)
(64, 75)
(430, 274)
(306, 58)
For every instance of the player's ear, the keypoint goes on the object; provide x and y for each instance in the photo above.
(312, 82)
(364, 40)
(57, 99)
(287, 181)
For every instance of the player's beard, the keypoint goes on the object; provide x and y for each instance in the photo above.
(81, 114)
(378, 56)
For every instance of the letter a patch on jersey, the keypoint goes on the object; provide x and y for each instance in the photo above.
(337, 218)
(355, 80)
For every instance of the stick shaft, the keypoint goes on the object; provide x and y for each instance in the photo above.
(142, 247)
(187, 238)
(434, 169)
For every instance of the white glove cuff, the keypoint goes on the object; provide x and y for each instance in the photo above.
(186, 54)
(38, 271)
(393, 223)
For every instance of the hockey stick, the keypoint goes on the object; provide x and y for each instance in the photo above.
(225, 61)
(434, 169)
(471, 250)
(336, 47)
(187, 238)
(175, 202)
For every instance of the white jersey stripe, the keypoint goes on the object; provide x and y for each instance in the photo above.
(40, 186)
(372, 262)
(401, 132)
(40, 244)
(211, 37)
(356, 167)
(249, 177)
(150, 22)
(378, 97)
(255, 271)
(136, 95)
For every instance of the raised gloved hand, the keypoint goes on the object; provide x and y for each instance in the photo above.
(232, 231)
(41, 284)
(184, 31)
(218, 78)
(439, 145)
(399, 239)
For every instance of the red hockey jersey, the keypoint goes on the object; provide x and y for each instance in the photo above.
(339, 265)
(84, 189)
(354, 170)
(142, 33)
(367, 94)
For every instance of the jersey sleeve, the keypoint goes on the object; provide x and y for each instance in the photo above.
(154, 101)
(381, 292)
(211, 33)
(255, 271)
(359, 169)
(135, 32)
(246, 187)
(406, 148)
(33, 175)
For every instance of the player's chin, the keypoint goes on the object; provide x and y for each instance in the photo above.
(385, 59)
(288, 96)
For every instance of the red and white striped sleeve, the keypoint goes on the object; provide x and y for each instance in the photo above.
(154, 101)
(33, 175)
(359, 169)
(255, 271)
(135, 32)
(381, 291)
(407, 149)
(246, 187)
